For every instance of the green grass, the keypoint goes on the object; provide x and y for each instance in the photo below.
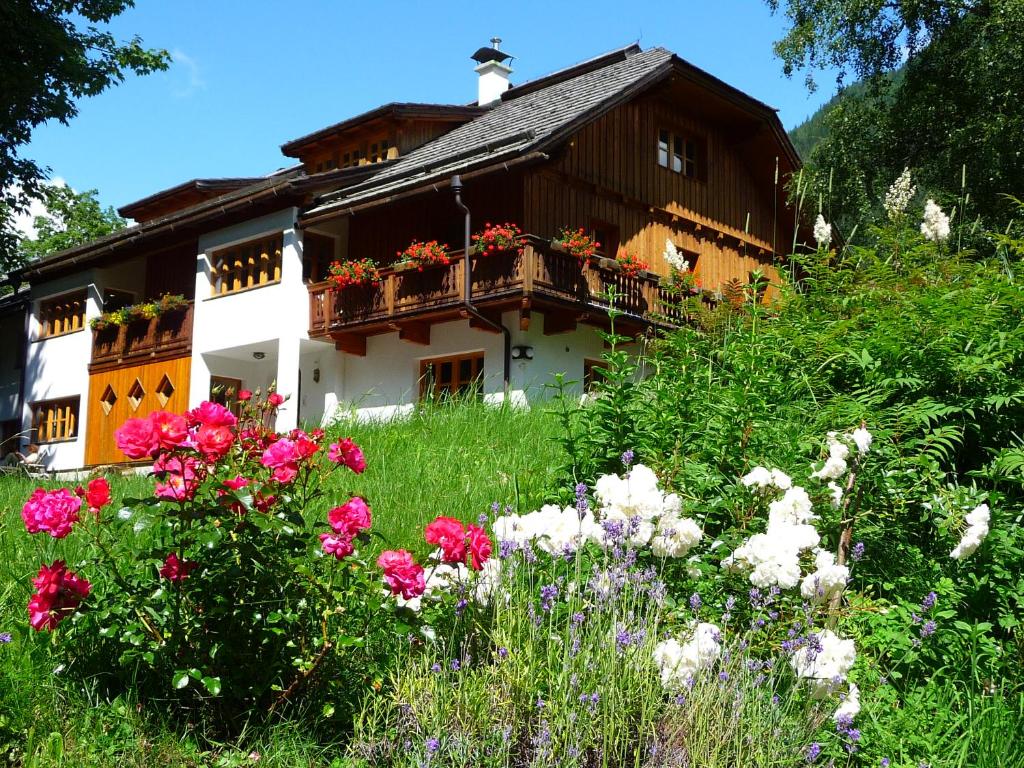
(453, 460)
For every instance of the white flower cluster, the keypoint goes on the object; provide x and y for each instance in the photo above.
(899, 196)
(674, 258)
(827, 581)
(935, 226)
(761, 477)
(633, 504)
(679, 663)
(838, 452)
(822, 232)
(825, 663)
(977, 529)
(850, 707)
(443, 578)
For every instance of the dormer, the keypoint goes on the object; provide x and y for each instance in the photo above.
(181, 196)
(382, 134)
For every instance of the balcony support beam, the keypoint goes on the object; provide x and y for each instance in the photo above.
(559, 321)
(350, 343)
(415, 333)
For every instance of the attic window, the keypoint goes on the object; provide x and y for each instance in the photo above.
(679, 153)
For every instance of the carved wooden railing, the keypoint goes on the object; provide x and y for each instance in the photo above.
(539, 271)
(169, 335)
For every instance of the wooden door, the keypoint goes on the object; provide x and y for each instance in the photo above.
(131, 392)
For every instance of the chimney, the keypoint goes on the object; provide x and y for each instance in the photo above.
(493, 72)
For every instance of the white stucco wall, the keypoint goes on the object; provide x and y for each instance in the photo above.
(59, 367)
(275, 316)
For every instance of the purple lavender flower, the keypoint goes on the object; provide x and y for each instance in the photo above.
(581, 499)
(456, 665)
(929, 601)
(481, 519)
(435, 667)
(858, 551)
(695, 602)
(723, 676)
(929, 628)
(578, 618)
(5, 637)
(812, 752)
(495, 508)
(503, 652)
(506, 549)
(885, 762)
(548, 595)
(460, 606)
(627, 458)
(432, 745)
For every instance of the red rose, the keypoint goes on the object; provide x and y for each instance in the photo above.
(401, 573)
(214, 441)
(212, 414)
(351, 517)
(339, 546)
(346, 452)
(479, 547)
(275, 399)
(58, 593)
(97, 495)
(243, 395)
(137, 439)
(176, 570)
(450, 535)
(171, 430)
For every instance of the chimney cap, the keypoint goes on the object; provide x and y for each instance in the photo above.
(491, 53)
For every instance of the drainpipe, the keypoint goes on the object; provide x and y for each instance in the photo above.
(467, 298)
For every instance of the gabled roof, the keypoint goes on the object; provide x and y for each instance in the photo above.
(395, 109)
(535, 117)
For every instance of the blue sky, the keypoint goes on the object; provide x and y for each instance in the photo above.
(248, 76)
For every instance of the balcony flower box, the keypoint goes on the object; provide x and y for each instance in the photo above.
(419, 255)
(354, 272)
(496, 239)
(576, 242)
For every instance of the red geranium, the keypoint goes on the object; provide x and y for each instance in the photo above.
(631, 264)
(578, 243)
(424, 254)
(498, 238)
(360, 272)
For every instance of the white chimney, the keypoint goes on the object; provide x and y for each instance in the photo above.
(492, 71)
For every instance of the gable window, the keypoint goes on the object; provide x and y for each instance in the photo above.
(607, 235)
(443, 377)
(249, 265)
(680, 153)
(62, 314)
(55, 420)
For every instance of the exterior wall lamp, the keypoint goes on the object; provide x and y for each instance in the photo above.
(522, 352)
(259, 355)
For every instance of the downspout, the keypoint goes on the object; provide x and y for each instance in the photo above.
(467, 299)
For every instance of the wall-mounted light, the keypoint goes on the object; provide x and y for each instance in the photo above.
(522, 352)
(259, 355)
(316, 375)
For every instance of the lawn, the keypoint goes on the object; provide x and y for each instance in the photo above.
(453, 460)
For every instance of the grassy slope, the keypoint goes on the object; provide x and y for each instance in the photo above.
(454, 460)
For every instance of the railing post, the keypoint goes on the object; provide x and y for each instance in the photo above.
(529, 266)
(389, 294)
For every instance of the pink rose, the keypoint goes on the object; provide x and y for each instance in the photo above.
(236, 484)
(348, 453)
(58, 593)
(170, 429)
(351, 517)
(52, 511)
(243, 395)
(179, 480)
(479, 547)
(283, 458)
(275, 399)
(175, 569)
(214, 441)
(137, 439)
(212, 415)
(401, 573)
(304, 444)
(450, 535)
(339, 546)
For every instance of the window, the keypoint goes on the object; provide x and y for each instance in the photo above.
(444, 377)
(378, 152)
(317, 255)
(113, 299)
(680, 154)
(62, 314)
(54, 420)
(249, 265)
(607, 235)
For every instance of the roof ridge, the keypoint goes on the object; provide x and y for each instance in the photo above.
(567, 73)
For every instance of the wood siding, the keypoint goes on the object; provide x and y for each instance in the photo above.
(114, 397)
(610, 172)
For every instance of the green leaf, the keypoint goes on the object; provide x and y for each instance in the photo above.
(180, 679)
(212, 684)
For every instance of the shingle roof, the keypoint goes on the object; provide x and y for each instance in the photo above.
(512, 126)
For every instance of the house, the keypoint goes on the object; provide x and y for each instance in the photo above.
(635, 146)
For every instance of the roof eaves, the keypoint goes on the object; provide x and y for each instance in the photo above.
(221, 183)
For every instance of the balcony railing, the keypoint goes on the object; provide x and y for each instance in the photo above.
(540, 273)
(166, 336)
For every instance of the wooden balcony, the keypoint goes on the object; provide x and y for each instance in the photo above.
(143, 341)
(541, 278)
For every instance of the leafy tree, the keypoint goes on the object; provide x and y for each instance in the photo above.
(952, 114)
(72, 218)
(52, 54)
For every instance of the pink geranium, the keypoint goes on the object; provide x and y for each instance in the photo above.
(175, 569)
(283, 458)
(401, 573)
(339, 546)
(54, 512)
(350, 518)
(450, 535)
(214, 441)
(346, 452)
(212, 415)
(169, 429)
(480, 547)
(58, 593)
(137, 438)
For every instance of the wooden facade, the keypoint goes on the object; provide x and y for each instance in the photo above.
(134, 391)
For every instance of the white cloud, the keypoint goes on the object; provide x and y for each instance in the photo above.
(25, 221)
(193, 80)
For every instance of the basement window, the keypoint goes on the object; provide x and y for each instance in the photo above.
(445, 377)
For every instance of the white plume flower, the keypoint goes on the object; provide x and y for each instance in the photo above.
(899, 196)
(977, 529)
(935, 226)
(822, 232)
(674, 258)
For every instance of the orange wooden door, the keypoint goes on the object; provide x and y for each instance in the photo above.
(131, 392)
